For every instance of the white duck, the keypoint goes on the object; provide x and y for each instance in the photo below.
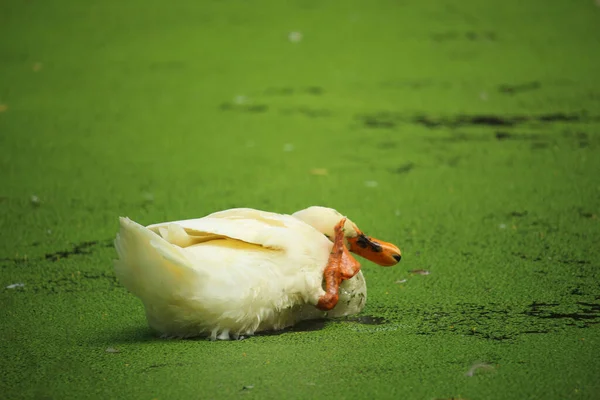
(240, 271)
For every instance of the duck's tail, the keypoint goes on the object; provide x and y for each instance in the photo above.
(149, 266)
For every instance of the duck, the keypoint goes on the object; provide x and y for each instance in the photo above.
(237, 272)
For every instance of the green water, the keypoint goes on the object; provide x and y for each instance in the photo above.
(466, 132)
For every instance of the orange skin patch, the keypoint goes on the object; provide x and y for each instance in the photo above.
(340, 267)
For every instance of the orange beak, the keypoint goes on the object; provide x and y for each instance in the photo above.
(378, 251)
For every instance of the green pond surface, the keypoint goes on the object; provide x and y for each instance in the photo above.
(467, 132)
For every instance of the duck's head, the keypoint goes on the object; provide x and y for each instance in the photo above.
(325, 219)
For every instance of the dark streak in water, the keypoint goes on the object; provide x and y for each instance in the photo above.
(77, 249)
(586, 214)
(579, 262)
(403, 169)
(390, 120)
(314, 113)
(523, 87)
(469, 35)
(497, 121)
(158, 366)
(559, 117)
(381, 121)
(283, 91)
(503, 135)
(315, 90)
(83, 248)
(539, 145)
(523, 256)
(497, 321)
(517, 213)
(253, 108)
(426, 121)
(307, 112)
(589, 312)
(257, 108)
(462, 120)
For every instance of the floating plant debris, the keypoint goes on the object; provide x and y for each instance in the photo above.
(420, 272)
(15, 285)
(480, 366)
(112, 350)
